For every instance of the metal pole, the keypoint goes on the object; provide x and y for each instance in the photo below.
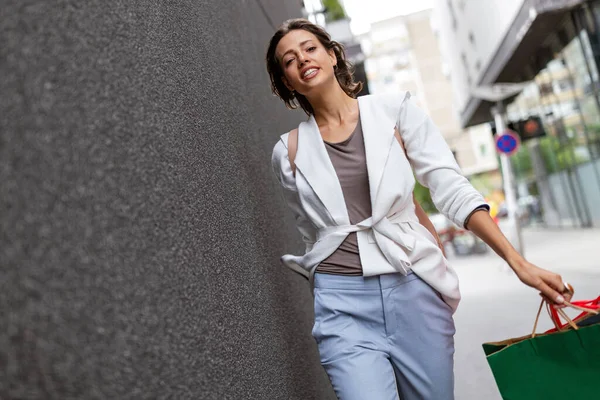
(514, 230)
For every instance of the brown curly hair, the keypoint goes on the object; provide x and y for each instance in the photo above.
(343, 70)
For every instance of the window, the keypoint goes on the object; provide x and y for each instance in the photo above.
(546, 88)
(561, 85)
(466, 66)
(463, 57)
(482, 150)
(452, 15)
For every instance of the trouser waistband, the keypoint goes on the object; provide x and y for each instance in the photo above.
(348, 282)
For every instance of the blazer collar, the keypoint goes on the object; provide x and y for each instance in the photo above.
(313, 161)
(378, 134)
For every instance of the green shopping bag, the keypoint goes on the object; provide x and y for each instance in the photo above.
(563, 363)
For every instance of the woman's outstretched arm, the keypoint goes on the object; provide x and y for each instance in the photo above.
(548, 283)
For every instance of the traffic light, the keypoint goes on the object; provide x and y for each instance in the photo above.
(527, 129)
(530, 128)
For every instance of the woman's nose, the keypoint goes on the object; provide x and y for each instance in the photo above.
(301, 59)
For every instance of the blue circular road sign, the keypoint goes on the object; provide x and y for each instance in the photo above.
(507, 143)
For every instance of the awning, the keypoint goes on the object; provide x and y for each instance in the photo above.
(523, 52)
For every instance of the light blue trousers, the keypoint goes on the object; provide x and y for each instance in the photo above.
(385, 337)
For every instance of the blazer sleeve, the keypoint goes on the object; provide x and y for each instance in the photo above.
(283, 172)
(434, 165)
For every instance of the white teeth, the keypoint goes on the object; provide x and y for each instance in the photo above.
(309, 72)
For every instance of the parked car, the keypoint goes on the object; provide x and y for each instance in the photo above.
(528, 209)
(463, 242)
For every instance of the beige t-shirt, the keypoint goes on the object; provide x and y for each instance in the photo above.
(349, 160)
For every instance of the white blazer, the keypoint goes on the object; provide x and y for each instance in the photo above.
(391, 240)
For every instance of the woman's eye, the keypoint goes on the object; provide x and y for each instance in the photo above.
(313, 48)
(289, 61)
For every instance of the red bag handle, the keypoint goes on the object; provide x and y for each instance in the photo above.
(586, 306)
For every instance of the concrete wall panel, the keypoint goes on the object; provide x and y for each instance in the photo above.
(141, 227)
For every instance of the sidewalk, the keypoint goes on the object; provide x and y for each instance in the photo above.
(563, 251)
(496, 305)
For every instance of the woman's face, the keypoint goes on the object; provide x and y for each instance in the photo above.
(305, 62)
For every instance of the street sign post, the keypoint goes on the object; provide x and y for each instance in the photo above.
(497, 93)
(507, 143)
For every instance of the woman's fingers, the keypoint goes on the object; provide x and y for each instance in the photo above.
(551, 285)
(555, 290)
(550, 293)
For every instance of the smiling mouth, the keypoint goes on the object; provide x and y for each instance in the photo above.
(309, 73)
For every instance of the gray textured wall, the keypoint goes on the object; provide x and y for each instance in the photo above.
(140, 227)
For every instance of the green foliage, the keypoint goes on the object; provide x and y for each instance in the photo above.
(335, 11)
(424, 198)
(482, 183)
(521, 163)
(557, 157)
(594, 130)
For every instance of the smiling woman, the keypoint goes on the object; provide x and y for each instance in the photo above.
(384, 292)
(304, 38)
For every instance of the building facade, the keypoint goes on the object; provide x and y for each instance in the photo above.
(338, 27)
(553, 46)
(403, 53)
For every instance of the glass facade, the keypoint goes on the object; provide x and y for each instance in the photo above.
(562, 169)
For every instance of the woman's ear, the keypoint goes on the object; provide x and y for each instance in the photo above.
(332, 57)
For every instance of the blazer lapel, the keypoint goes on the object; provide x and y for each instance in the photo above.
(378, 133)
(313, 161)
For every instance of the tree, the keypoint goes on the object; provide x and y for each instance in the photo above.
(334, 10)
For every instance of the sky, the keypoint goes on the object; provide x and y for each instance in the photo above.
(364, 12)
